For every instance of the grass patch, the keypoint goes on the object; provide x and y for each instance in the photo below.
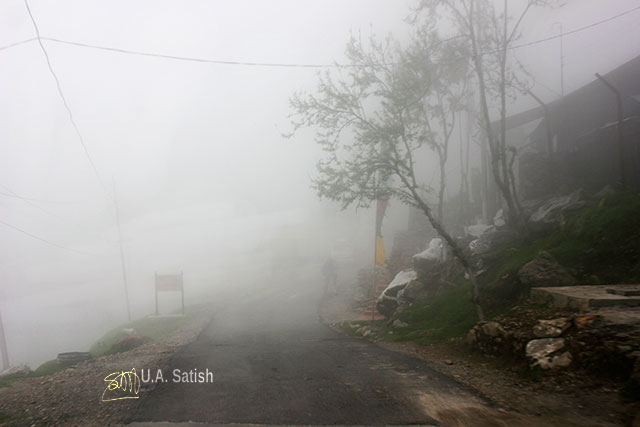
(598, 244)
(47, 368)
(151, 328)
(449, 315)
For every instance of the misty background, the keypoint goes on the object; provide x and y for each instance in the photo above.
(205, 182)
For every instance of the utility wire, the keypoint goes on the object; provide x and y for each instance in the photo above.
(33, 236)
(192, 59)
(577, 30)
(64, 100)
(9, 46)
(30, 201)
(278, 64)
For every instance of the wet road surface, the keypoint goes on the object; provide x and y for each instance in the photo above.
(273, 362)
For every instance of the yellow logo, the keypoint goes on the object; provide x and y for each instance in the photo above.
(121, 385)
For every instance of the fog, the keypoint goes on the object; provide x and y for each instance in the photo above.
(193, 152)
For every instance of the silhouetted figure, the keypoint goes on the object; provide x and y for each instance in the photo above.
(330, 273)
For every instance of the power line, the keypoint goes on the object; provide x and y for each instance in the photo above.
(33, 236)
(9, 46)
(577, 30)
(64, 100)
(274, 64)
(30, 201)
(192, 59)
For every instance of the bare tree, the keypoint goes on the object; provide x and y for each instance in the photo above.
(442, 64)
(490, 34)
(374, 117)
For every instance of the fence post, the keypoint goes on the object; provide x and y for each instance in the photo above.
(623, 180)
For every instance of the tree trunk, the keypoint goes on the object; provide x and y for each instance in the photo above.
(494, 146)
(443, 183)
(455, 249)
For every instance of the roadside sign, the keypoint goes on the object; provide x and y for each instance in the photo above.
(169, 283)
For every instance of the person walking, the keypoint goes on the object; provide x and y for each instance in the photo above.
(330, 272)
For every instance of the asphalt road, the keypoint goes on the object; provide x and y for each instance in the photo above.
(274, 362)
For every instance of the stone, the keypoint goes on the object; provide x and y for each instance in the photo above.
(543, 352)
(560, 361)
(544, 271)
(489, 337)
(491, 239)
(477, 230)
(414, 291)
(399, 324)
(433, 252)
(492, 329)
(554, 210)
(551, 328)
(499, 220)
(387, 302)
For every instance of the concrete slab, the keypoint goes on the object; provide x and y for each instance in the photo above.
(587, 297)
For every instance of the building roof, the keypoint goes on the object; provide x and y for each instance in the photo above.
(587, 108)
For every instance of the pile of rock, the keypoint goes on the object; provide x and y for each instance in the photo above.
(430, 276)
(541, 345)
(606, 342)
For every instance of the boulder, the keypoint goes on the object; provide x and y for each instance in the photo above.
(414, 291)
(477, 230)
(499, 220)
(387, 302)
(424, 265)
(432, 255)
(554, 210)
(551, 328)
(492, 329)
(544, 271)
(491, 239)
(545, 353)
(489, 337)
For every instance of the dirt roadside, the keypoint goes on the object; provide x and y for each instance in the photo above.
(74, 396)
(570, 398)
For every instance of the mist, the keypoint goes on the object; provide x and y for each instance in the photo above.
(193, 152)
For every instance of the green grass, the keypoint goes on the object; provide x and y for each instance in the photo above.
(449, 315)
(47, 368)
(598, 244)
(148, 327)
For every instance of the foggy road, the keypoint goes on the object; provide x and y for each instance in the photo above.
(273, 362)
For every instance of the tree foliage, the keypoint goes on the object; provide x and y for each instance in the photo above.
(374, 116)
